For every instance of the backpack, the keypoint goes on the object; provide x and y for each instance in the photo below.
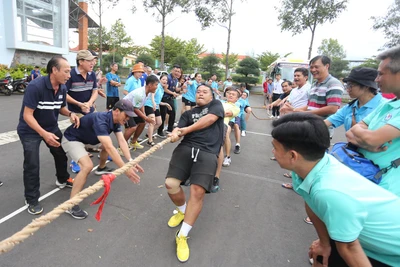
(348, 154)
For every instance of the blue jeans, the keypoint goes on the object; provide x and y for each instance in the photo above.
(31, 145)
(243, 123)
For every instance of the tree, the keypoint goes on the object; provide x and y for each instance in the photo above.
(182, 61)
(94, 40)
(172, 48)
(266, 58)
(250, 69)
(110, 58)
(102, 5)
(210, 64)
(370, 63)
(147, 59)
(163, 8)
(335, 51)
(217, 11)
(331, 48)
(232, 60)
(120, 40)
(192, 50)
(390, 24)
(308, 15)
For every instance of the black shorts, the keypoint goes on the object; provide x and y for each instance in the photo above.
(237, 121)
(245, 108)
(188, 103)
(133, 121)
(150, 110)
(111, 101)
(201, 172)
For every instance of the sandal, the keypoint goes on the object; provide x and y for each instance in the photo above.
(307, 220)
(287, 175)
(272, 158)
(287, 185)
(90, 155)
(151, 143)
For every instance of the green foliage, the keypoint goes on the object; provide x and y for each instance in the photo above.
(182, 61)
(266, 58)
(147, 59)
(94, 40)
(19, 71)
(331, 48)
(232, 60)
(108, 59)
(309, 14)
(209, 64)
(370, 63)
(339, 68)
(192, 50)
(246, 80)
(173, 47)
(390, 24)
(248, 66)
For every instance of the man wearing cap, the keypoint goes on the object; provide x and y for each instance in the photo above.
(378, 135)
(96, 128)
(44, 100)
(82, 86)
(133, 81)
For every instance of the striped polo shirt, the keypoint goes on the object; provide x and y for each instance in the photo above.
(80, 88)
(327, 93)
(40, 97)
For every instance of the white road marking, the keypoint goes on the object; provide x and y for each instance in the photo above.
(258, 133)
(12, 136)
(18, 211)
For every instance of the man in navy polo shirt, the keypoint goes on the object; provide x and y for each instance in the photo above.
(43, 101)
(96, 128)
(169, 95)
(82, 86)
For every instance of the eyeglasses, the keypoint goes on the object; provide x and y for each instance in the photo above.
(350, 85)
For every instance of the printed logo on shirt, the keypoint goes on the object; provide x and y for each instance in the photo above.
(60, 97)
(198, 116)
(388, 117)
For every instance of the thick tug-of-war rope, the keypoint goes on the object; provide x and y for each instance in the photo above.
(106, 180)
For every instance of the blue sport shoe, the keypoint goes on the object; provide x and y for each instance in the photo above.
(74, 167)
(109, 158)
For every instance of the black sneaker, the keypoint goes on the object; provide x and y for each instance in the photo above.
(35, 209)
(162, 135)
(237, 149)
(77, 213)
(101, 171)
(186, 183)
(215, 187)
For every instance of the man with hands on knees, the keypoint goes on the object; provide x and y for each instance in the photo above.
(353, 217)
(96, 128)
(195, 157)
(38, 121)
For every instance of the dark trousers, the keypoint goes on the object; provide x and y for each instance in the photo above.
(31, 145)
(275, 109)
(335, 260)
(164, 110)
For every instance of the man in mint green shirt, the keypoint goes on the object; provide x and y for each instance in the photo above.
(378, 135)
(354, 218)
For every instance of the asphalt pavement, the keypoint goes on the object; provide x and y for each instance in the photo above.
(252, 221)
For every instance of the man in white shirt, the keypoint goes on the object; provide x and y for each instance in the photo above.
(298, 97)
(276, 94)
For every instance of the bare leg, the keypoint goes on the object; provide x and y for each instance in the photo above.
(128, 132)
(138, 132)
(248, 112)
(228, 142)
(195, 204)
(237, 133)
(151, 128)
(86, 165)
(220, 161)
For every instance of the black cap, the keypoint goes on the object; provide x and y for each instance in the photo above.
(363, 76)
(125, 106)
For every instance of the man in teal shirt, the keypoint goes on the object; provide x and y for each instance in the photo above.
(378, 135)
(354, 218)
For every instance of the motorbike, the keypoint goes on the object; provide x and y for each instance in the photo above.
(6, 86)
(19, 85)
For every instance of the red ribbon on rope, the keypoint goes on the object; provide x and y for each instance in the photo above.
(108, 179)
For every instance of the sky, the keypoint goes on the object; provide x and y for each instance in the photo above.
(255, 29)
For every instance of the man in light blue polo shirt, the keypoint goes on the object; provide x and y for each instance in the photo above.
(133, 81)
(354, 218)
(379, 133)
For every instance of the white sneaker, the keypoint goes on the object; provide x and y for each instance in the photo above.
(243, 133)
(277, 117)
(272, 116)
(227, 162)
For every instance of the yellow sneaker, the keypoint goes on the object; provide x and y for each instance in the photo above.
(182, 248)
(176, 219)
(136, 145)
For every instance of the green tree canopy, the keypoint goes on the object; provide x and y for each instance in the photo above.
(93, 39)
(192, 51)
(147, 59)
(210, 64)
(266, 58)
(390, 24)
(299, 15)
(370, 63)
(249, 68)
(173, 48)
(232, 60)
(331, 48)
(182, 61)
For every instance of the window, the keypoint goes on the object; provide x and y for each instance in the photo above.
(39, 22)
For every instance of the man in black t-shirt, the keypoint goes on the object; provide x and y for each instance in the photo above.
(196, 156)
